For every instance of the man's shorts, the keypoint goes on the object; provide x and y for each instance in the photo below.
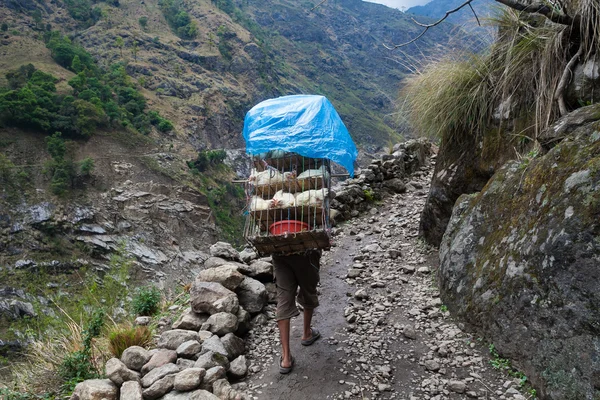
(293, 271)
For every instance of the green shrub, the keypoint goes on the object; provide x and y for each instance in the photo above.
(143, 22)
(123, 337)
(86, 166)
(165, 126)
(179, 20)
(207, 159)
(4, 27)
(78, 365)
(146, 301)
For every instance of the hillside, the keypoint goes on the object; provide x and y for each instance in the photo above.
(146, 95)
(243, 53)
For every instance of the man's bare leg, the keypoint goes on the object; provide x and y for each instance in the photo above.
(308, 313)
(284, 337)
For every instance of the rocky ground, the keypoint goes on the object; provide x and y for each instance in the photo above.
(386, 333)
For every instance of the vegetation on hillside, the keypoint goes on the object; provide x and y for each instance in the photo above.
(99, 99)
(179, 19)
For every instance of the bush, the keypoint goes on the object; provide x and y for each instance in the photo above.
(86, 166)
(123, 337)
(207, 159)
(143, 22)
(179, 19)
(79, 365)
(4, 27)
(165, 126)
(146, 301)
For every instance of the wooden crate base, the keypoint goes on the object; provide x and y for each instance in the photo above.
(291, 243)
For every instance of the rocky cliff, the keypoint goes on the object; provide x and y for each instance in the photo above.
(519, 262)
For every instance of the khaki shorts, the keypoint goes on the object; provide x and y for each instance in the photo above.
(293, 271)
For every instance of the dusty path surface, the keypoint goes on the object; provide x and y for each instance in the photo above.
(385, 332)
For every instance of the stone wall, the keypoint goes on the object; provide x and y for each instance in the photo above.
(389, 174)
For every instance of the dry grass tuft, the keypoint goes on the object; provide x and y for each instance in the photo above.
(123, 336)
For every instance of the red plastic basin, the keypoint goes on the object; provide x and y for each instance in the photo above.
(287, 226)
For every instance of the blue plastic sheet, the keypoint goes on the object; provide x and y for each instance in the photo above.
(304, 124)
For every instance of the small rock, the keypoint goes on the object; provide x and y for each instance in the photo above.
(457, 386)
(409, 332)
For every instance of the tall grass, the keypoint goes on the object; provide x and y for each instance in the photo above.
(123, 336)
(458, 94)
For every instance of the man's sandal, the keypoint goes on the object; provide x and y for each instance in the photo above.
(285, 370)
(315, 334)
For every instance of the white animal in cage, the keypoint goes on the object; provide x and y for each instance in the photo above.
(270, 176)
(315, 173)
(258, 203)
(313, 197)
(283, 200)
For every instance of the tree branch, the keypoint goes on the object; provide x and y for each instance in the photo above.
(559, 95)
(427, 26)
(475, 14)
(542, 9)
(318, 5)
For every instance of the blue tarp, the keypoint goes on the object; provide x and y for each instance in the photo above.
(303, 124)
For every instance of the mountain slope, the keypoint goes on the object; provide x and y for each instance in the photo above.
(246, 52)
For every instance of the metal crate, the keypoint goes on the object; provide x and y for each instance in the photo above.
(308, 180)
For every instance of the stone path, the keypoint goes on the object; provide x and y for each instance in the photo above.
(386, 333)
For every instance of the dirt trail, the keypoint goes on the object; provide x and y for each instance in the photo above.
(385, 331)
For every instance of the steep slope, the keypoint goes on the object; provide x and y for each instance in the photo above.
(245, 52)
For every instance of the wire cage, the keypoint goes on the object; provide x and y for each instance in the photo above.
(287, 209)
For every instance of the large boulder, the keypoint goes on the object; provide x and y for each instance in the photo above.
(188, 379)
(95, 389)
(131, 390)
(227, 275)
(189, 349)
(118, 372)
(190, 320)
(158, 373)
(214, 344)
(258, 269)
(234, 345)
(212, 297)
(212, 375)
(159, 388)
(213, 262)
(238, 368)
(174, 338)
(159, 358)
(519, 263)
(199, 394)
(224, 250)
(221, 323)
(211, 359)
(252, 295)
(135, 357)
